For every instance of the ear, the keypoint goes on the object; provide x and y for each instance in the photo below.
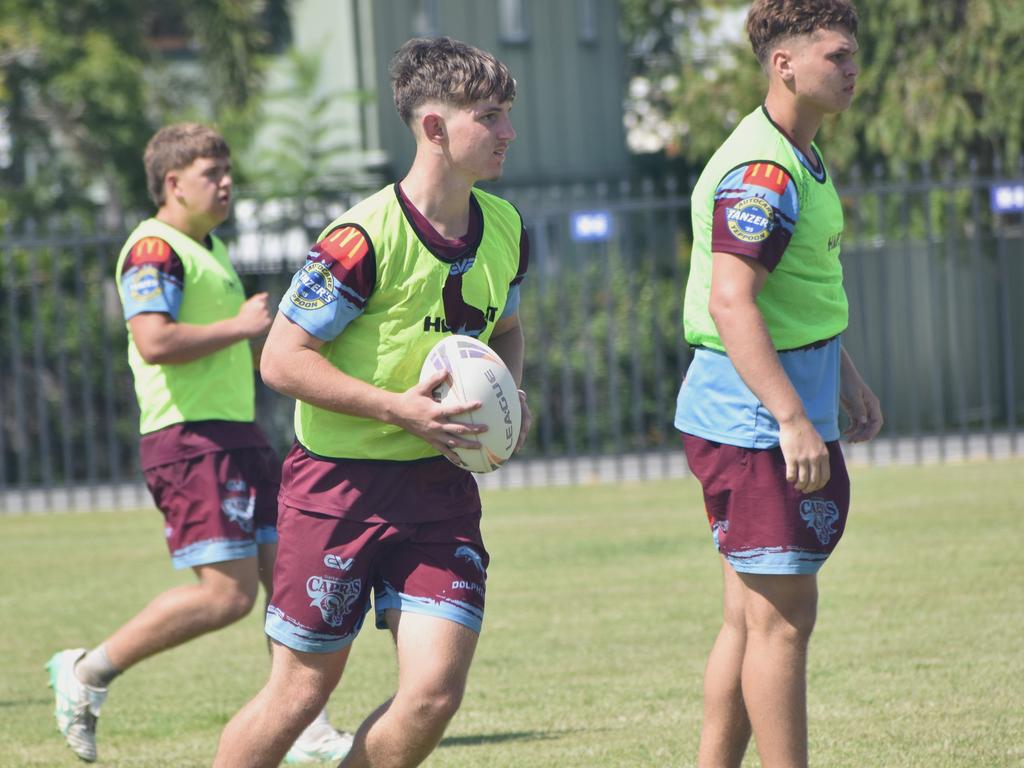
(434, 128)
(171, 188)
(780, 63)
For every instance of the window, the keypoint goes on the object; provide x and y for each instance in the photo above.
(512, 18)
(586, 16)
(425, 22)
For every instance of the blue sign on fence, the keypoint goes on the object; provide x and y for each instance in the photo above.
(1008, 198)
(590, 226)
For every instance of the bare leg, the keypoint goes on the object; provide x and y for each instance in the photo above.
(265, 562)
(434, 656)
(225, 593)
(726, 728)
(780, 613)
(261, 733)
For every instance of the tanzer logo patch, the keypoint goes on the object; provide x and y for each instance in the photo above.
(750, 220)
(314, 286)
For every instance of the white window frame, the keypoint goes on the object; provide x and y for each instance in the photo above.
(512, 22)
(586, 16)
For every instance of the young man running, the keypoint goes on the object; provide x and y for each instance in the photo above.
(206, 462)
(765, 308)
(369, 502)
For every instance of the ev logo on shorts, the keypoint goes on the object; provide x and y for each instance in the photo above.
(820, 515)
(334, 597)
(468, 553)
(333, 561)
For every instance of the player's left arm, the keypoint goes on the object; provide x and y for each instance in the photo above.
(859, 402)
(508, 341)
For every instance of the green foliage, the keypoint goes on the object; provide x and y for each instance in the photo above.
(604, 352)
(939, 82)
(65, 387)
(299, 120)
(83, 89)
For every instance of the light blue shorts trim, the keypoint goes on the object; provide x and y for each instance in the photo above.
(221, 550)
(452, 610)
(305, 640)
(775, 561)
(213, 551)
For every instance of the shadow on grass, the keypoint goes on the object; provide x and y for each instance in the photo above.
(498, 738)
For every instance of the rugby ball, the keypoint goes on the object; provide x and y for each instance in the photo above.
(475, 372)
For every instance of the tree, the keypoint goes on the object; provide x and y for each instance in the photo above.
(938, 80)
(299, 120)
(84, 85)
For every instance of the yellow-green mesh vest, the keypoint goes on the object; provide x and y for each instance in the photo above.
(402, 320)
(803, 300)
(216, 386)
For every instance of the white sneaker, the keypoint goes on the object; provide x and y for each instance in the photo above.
(78, 705)
(320, 742)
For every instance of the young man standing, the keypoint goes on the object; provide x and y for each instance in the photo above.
(368, 500)
(765, 308)
(206, 462)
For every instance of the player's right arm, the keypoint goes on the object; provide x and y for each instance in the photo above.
(152, 282)
(735, 283)
(162, 340)
(744, 252)
(292, 363)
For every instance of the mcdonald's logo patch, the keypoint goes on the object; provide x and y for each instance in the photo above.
(150, 250)
(767, 176)
(346, 245)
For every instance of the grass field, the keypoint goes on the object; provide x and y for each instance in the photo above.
(602, 604)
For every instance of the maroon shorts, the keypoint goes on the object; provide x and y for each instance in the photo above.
(326, 567)
(217, 506)
(760, 522)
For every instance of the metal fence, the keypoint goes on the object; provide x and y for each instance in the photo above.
(931, 271)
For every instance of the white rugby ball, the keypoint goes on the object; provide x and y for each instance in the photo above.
(475, 372)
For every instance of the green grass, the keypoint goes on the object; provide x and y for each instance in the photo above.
(602, 604)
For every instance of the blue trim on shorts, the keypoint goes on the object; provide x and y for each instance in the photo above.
(776, 561)
(306, 640)
(453, 610)
(266, 535)
(212, 551)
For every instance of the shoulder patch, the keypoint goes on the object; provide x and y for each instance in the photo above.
(750, 219)
(314, 287)
(144, 284)
(150, 250)
(346, 245)
(768, 176)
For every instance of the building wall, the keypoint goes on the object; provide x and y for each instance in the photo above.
(340, 34)
(571, 78)
(568, 113)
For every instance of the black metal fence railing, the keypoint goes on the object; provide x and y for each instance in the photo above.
(931, 269)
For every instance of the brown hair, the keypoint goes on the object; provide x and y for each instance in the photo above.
(770, 21)
(446, 70)
(177, 146)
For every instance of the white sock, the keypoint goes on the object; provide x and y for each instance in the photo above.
(95, 668)
(321, 719)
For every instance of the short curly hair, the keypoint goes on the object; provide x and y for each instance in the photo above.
(770, 21)
(446, 70)
(177, 146)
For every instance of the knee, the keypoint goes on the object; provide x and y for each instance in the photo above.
(793, 627)
(230, 605)
(437, 707)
